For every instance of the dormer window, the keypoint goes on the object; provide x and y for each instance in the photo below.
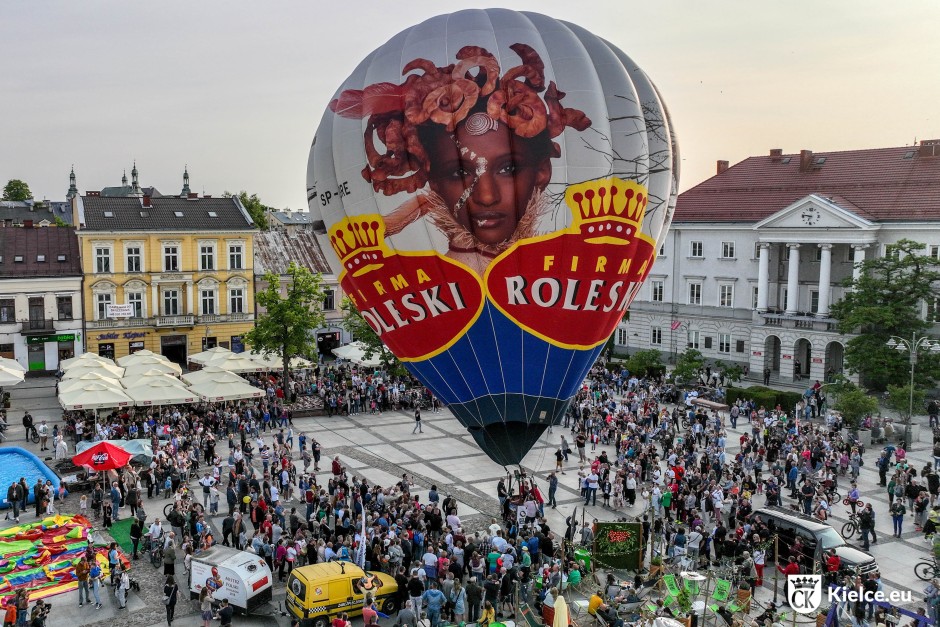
(178, 214)
(41, 258)
(60, 258)
(18, 259)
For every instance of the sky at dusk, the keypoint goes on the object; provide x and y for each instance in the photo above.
(236, 89)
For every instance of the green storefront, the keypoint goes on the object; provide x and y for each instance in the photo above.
(36, 349)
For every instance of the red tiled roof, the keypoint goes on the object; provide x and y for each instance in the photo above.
(878, 184)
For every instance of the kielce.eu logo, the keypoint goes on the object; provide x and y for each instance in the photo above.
(804, 593)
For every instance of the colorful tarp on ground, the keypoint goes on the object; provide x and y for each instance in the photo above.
(40, 557)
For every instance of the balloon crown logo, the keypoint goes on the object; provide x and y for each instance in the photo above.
(609, 211)
(359, 243)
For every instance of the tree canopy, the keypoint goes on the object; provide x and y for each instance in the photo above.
(15, 189)
(255, 208)
(688, 366)
(287, 325)
(357, 326)
(887, 300)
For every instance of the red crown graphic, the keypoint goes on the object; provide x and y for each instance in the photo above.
(359, 242)
(607, 210)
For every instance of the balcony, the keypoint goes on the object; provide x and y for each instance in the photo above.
(119, 323)
(805, 322)
(217, 318)
(174, 321)
(35, 327)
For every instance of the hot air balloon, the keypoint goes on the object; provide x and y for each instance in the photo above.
(495, 185)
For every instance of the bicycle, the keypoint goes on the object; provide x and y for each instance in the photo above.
(927, 571)
(852, 527)
(186, 503)
(155, 551)
(32, 434)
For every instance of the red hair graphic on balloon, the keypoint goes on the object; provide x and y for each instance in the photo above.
(482, 143)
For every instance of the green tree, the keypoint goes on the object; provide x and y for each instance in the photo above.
(645, 362)
(286, 327)
(60, 222)
(899, 398)
(255, 208)
(372, 344)
(854, 404)
(732, 372)
(886, 300)
(688, 366)
(15, 189)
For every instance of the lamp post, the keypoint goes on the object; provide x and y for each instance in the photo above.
(913, 347)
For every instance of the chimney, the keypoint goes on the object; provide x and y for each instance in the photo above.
(929, 148)
(806, 160)
(145, 203)
(722, 166)
(206, 196)
(192, 196)
(27, 224)
(776, 154)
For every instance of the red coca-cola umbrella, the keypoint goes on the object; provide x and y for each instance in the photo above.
(102, 456)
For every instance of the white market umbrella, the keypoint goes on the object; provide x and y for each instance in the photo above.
(236, 363)
(273, 361)
(213, 353)
(94, 395)
(356, 353)
(152, 368)
(107, 370)
(162, 392)
(67, 385)
(220, 389)
(142, 357)
(10, 378)
(148, 377)
(11, 364)
(211, 372)
(85, 358)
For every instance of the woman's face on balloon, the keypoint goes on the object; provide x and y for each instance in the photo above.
(487, 179)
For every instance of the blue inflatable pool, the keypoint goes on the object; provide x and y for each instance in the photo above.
(16, 462)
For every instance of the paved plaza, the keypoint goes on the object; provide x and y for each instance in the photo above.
(382, 447)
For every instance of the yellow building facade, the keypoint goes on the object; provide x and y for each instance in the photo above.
(173, 275)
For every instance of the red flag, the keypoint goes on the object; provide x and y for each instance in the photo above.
(675, 324)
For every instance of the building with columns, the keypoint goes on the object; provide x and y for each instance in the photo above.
(172, 274)
(758, 253)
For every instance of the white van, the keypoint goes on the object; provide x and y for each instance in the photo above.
(241, 577)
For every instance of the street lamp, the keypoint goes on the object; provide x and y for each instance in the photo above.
(912, 346)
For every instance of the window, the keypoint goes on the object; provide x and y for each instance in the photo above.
(40, 258)
(656, 336)
(208, 302)
(329, 300)
(726, 295)
(935, 252)
(102, 260)
(695, 293)
(757, 250)
(59, 258)
(727, 250)
(134, 259)
(814, 301)
(817, 254)
(136, 300)
(207, 257)
(622, 337)
(171, 259)
(693, 339)
(171, 303)
(234, 256)
(64, 307)
(739, 346)
(236, 300)
(708, 341)
(754, 291)
(7, 310)
(657, 289)
(724, 342)
(696, 249)
(892, 251)
(103, 300)
(662, 250)
(933, 310)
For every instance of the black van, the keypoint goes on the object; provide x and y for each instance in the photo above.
(816, 536)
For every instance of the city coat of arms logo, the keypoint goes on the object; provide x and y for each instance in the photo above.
(804, 593)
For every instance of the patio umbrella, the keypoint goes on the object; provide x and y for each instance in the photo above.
(221, 389)
(272, 361)
(211, 372)
(67, 385)
(10, 377)
(85, 358)
(127, 360)
(236, 363)
(213, 353)
(356, 353)
(11, 364)
(152, 367)
(94, 395)
(162, 393)
(155, 362)
(149, 377)
(102, 456)
(140, 450)
(108, 370)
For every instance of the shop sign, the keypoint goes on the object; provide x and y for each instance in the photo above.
(42, 339)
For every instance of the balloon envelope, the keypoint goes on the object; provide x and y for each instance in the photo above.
(494, 185)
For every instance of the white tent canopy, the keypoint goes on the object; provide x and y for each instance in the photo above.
(211, 372)
(355, 352)
(140, 368)
(142, 363)
(140, 355)
(11, 364)
(67, 385)
(213, 353)
(108, 370)
(10, 377)
(95, 395)
(149, 377)
(221, 389)
(273, 361)
(85, 358)
(162, 392)
(236, 363)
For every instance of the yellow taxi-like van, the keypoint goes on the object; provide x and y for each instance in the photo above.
(317, 593)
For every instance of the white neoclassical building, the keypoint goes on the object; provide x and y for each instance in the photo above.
(758, 253)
